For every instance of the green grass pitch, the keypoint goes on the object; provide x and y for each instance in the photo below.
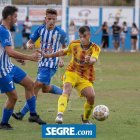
(117, 86)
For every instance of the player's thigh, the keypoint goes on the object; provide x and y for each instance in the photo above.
(17, 74)
(46, 87)
(27, 83)
(70, 77)
(69, 81)
(83, 86)
(89, 94)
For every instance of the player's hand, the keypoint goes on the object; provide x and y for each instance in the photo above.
(61, 63)
(87, 58)
(35, 57)
(21, 61)
(30, 45)
(45, 55)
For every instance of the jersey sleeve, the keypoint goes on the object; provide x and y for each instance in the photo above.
(36, 34)
(63, 39)
(5, 39)
(95, 51)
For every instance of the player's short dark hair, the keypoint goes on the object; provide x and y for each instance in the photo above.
(51, 11)
(8, 10)
(83, 29)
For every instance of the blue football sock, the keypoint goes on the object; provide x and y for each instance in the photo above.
(25, 109)
(6, 115)
(32, 104)
(55, 90)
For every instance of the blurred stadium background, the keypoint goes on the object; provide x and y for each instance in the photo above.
(95, 12)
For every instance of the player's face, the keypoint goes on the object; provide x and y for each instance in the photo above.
(50, 20)
(13, 19)
(85, 38)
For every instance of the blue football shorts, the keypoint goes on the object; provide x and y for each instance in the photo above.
(15, 76)
(45, 74)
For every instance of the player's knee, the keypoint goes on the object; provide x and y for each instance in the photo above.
(45, 89)
(30, 85)
(67, 88)
(13, 98)
(38, 85)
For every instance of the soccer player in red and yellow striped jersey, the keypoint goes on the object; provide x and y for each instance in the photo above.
(80, 72)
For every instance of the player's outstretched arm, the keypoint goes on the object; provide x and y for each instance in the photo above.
(18, 55)
(52, 55)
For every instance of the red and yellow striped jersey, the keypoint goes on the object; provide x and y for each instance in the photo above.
(77, 63)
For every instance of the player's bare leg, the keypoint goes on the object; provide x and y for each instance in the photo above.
(8, 110)
(37, 87)
(29, 94)
(52, 89)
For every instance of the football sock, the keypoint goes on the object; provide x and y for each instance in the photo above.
(32, 104)
(25, 109)
(55, 90)
(6, 115)
(87, 110)
(62, 103)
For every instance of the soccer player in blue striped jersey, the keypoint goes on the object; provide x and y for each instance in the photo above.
(52, 38)
(10, 74)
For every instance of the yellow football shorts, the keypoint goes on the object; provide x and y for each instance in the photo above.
(77, 82)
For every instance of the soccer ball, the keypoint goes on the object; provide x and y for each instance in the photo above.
(100, 112)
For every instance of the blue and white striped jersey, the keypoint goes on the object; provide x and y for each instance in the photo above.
(50, 41)
(5, 61)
